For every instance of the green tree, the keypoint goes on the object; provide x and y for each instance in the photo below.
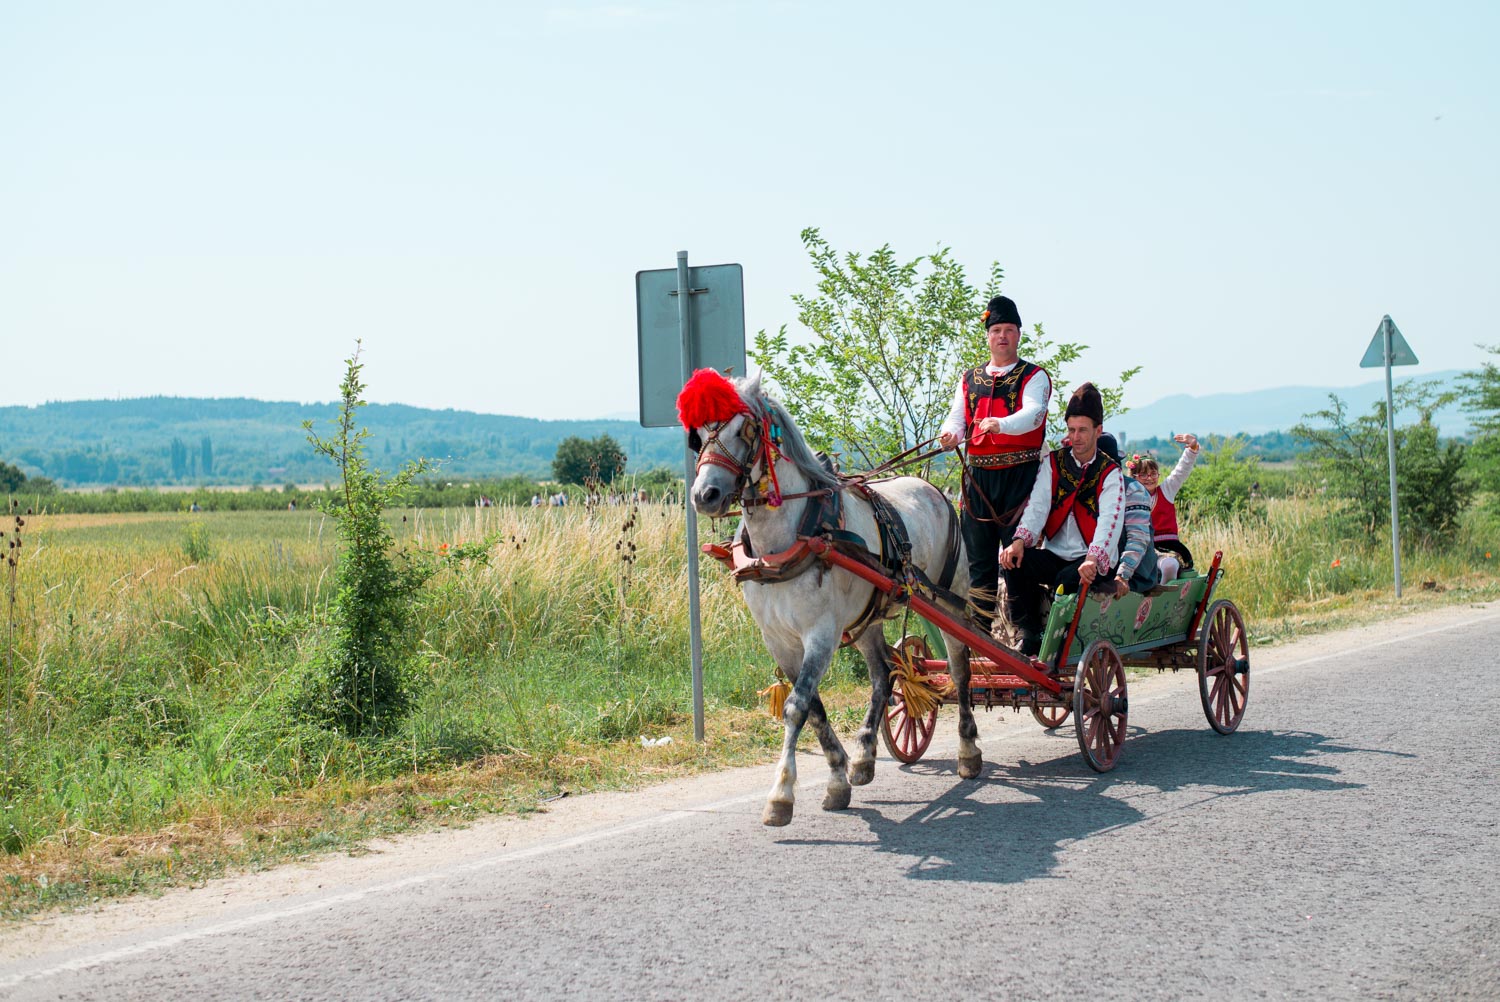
(1481, 398)
(889, 339)
(206, 456)
(1432, 488)
(579, 459)
(179, 459)
(11, 478)
(360, 681)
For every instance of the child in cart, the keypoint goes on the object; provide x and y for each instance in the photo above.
(1173, 554)
(1136, 567)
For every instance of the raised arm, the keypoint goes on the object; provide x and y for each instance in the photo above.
(1173, 483)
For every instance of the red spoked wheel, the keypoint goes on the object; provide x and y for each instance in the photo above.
(1100, 705)
(1224, 667)
(907, 736)
(1050, 715)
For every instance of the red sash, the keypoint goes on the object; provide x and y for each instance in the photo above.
(1076, 494)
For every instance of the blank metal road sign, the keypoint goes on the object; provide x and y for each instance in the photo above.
(716, 336)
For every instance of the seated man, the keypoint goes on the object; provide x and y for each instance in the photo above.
(1136, 569)
(1076, 513)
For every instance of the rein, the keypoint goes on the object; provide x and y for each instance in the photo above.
(966, 483)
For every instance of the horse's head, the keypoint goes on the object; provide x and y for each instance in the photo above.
(727, 435)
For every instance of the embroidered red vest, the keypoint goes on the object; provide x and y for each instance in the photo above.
(1163, 518)
(987, 396)
(1075, 495)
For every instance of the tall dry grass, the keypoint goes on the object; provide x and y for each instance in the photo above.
(151, 686)
(155, 655)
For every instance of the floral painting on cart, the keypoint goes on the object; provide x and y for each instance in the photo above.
(1131, 623)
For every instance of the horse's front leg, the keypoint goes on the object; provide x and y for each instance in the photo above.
(871, 644)
(970, 761)
(817, 652)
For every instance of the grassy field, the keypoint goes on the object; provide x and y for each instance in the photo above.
(150, 736)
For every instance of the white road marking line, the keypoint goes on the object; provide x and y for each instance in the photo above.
(673, 814)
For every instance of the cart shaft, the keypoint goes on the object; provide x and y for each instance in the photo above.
(1027, 671)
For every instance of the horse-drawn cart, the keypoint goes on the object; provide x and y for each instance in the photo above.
(1175, 626)
(825, 559)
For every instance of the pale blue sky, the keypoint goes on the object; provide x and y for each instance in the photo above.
(215, 199)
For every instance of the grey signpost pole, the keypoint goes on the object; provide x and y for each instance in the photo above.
(1390, 441)
(687, 319)
(1388, 348)
(695, 628)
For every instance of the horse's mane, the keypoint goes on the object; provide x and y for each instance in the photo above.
(793, 446)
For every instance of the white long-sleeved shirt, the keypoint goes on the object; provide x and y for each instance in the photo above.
(1169, 487)
(1030, 416)
(1069, 542)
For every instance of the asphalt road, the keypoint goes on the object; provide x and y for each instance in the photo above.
(1343, 844)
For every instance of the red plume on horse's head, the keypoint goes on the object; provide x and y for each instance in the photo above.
(708, 398)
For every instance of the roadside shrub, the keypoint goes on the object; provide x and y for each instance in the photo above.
(359, 679)
(197, 544)
(1224, 483)
(1433, 488)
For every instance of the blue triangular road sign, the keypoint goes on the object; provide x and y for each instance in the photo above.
(1401, 353)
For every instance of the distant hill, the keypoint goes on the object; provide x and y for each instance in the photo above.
(192, 440)
(1262, 411)
(165, 440)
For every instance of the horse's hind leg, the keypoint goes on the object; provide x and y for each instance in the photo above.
(970, 761)
(872, 645)
(837, 797)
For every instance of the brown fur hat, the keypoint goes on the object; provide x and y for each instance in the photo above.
(1086, 402)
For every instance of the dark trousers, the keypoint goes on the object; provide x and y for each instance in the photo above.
(1040, 573)
(992, 509)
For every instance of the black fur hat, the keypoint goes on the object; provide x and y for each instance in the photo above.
(1001, 311)
(1086, 402)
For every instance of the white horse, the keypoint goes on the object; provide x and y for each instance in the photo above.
(750, 451)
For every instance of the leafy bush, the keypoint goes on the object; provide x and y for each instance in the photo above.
(1224, 484)
(359, 680)
(1482, 400)
(1432, 486)
(197, 543)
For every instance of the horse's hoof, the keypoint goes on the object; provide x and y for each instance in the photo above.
(861, 773)
(970, 767)
(837, 798)
(778, 814)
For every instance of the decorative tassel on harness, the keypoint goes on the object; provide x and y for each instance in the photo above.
(920, 696)
(776, 694)
(771, 437)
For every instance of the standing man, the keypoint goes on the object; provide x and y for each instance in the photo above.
(1075, 516)
(1000, 409)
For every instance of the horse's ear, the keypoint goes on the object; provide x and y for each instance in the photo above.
(752, 384)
